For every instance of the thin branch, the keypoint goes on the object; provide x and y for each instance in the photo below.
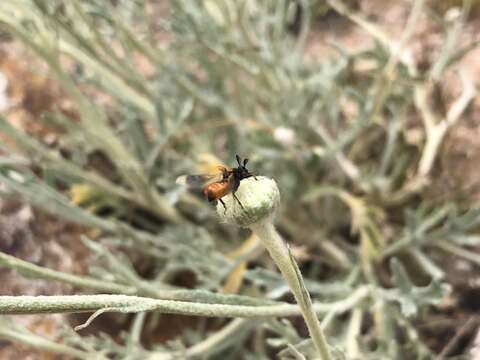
(353, 332)
(348, 167)
(436, 129)
(40, 343)
(213, 344)
(356, 18)
(133, 304)
(39, 272)
(138, 288)
(459, 251)
(453, 342)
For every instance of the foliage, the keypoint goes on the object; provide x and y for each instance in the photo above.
(226, 77)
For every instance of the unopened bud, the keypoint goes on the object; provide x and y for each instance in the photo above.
(259, 197)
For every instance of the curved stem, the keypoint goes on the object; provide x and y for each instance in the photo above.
(284, 260)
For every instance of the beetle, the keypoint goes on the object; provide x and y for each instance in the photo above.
(216, 186)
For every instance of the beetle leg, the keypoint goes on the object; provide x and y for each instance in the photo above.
(224, 206)
(235, 197)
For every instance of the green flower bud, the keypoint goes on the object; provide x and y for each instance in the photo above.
(259, 198)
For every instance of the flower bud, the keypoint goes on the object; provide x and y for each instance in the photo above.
(259, 197)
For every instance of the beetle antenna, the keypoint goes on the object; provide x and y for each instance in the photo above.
(239, 161)
(245, 161)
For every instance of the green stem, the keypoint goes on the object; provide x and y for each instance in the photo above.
(213, 344)
(458, 251)
(39, 272)
(282, 257)
(353, 332)
(136, 287)
(132, 304)
(41, 343)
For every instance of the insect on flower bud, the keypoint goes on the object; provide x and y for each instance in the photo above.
(259, 197)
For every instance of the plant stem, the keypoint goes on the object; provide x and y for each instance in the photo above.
(39, 272)
(136, 287)
(132, 304)
(211, 345)
(458, 251)
(282, 257)
(39, 342)
(353, 332)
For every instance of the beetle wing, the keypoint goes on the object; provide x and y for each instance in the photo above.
(198, 181)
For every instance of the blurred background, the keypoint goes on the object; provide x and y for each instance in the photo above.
(365, 112)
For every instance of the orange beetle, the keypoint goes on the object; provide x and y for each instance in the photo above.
(216, 186)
